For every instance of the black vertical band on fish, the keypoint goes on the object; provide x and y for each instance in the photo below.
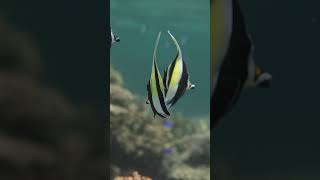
(171, 68)
(234, 69)
(165, 81)
(150, 100)
(161, 96)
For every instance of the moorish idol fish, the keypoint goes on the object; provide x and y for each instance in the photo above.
(156, 89)
(114, 38)
(232, 64)
(176, 77)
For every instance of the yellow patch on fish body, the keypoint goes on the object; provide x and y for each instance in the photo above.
(154, 82)
(176, 74)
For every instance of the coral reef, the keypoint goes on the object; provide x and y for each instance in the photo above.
(141, 142)
(135, 176)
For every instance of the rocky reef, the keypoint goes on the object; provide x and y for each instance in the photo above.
(140, 142)
(135, 176)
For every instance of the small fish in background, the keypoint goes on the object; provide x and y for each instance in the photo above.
(176, 77)
(232, 65)
(168, 150)
(156, 89)
(168, 124)
(114, 38)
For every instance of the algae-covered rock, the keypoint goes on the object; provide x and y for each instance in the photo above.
(115, 77)
(185, 172)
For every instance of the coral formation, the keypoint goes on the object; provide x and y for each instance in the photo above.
(135, 176)
(140, 142)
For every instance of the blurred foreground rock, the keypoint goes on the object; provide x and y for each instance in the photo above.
(43, 135)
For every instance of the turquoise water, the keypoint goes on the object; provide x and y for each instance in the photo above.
(138, 24)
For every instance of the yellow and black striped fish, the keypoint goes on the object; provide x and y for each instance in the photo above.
(232, 64)
(176, 77)
(156, 89)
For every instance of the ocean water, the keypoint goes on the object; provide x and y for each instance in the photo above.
(138, 23)
(274, 133)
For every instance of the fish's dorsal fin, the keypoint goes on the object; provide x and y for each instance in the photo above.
(177, 45)
(154, 63)
(156, 47)
(155, 66)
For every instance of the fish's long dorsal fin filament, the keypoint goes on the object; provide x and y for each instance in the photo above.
(177, 45)
(154, 63)
(156, 47)
(173, 64)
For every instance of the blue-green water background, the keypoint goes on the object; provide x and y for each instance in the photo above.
(138, 24)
